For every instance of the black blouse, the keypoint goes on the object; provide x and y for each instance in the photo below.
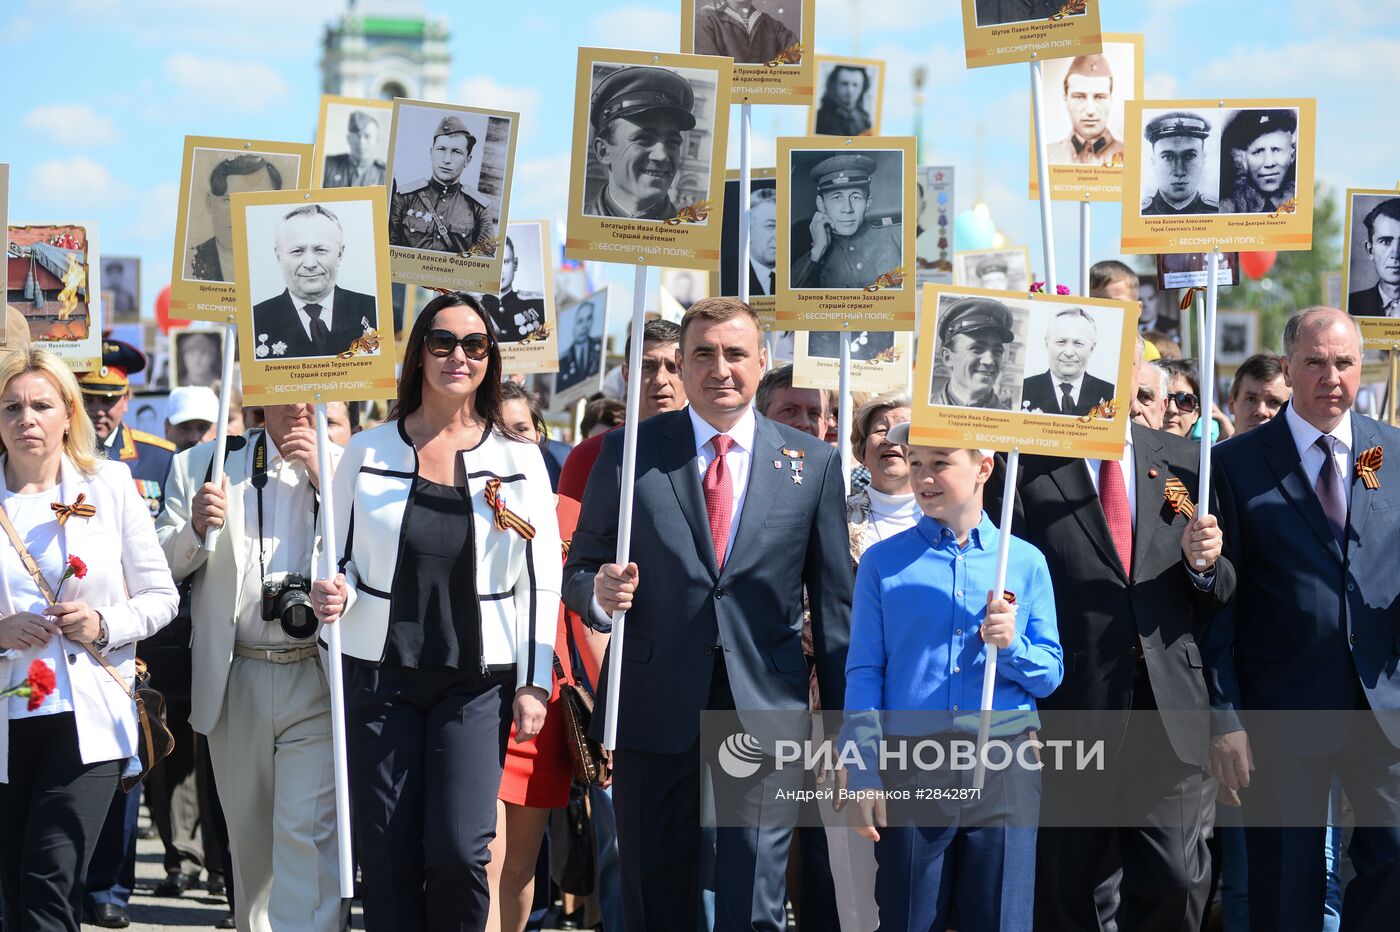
(436, 618)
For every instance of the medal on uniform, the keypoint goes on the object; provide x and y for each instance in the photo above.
(796, 470)
(1367, 465)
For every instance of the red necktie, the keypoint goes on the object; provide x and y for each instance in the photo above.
(719, 496)
(1113, 495)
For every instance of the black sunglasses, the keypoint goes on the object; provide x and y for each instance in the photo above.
(441, 343)
(1184, 401)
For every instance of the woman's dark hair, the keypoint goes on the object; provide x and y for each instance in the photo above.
(1186, 368)
(514, 391)
(488, 395)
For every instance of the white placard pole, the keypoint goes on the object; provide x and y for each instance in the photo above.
(334, 666)
(216, 474)
(624, 510)
(843, 412)
(1207, 380)
(1084, 247)
(1013, 459)
(745, 186)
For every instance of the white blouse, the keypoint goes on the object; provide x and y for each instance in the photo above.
(37, 526)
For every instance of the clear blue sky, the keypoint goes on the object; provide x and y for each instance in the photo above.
(99, 98)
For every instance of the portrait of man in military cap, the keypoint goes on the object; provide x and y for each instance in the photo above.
(850, 99)
(650, 136)
(217, 176)
(752, 32)
(977, 361)
(356, 141)
(296, 260)
(847, 217)
(1258, 161)
(1088, 89)
(1373, 254)
(198, 356)
(448, 177)
(1183, 178)
(1005, 269)
(518, 310)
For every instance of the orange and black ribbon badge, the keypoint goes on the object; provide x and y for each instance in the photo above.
(1179, 498)
(1367, 465)
(1189, 298)
(506, 519)
(1009, 596)
(83, 510)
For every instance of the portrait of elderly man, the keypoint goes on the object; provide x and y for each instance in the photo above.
(516, 314)
(1176, 143)
(312, 316)
(843, 111)
(972, 338)
(584, 356)
(993, 272)
(763, 241)
(212, 260)
(639, 117)
(1067, 387)
(737, 29)
(1088, 91)
(846, 252)
(1259, 150)
(1383, 247)
(437, 214)
(360, 166)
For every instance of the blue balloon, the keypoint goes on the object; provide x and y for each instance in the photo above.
(974, 231)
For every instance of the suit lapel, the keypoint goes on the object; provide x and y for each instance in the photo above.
(1072, 478)
(1363, 438)
(1151, 491)
(1282, 455)
(678, 459)
(764, 486)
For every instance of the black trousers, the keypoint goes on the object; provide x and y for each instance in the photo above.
(656, 800)
(51, 811)
(426, 752)
(1165, 861)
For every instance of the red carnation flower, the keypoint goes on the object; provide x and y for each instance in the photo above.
(41, 683)
(77, 567)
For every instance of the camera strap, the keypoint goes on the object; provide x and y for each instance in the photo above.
(259, 483)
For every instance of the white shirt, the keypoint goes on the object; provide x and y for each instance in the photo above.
(1126, 464)
(739, 459)
(327, 306)
(1390, 299)
(762, 273)
(1075, 387)
(1305, 438)
(37, 526)
(288, 534)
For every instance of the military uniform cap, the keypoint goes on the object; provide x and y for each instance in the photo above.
(992, 264)
(358, 119)
(632, 91)
(1249, 125)
(843, 171)
(1092, 66)
(119, 360)
(1176, 123)
(973, 314)
(450, 126)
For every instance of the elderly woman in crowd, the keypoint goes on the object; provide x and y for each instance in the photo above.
(71, 510)
(885, 506)
(449, 604)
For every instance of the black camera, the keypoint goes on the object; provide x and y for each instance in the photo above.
(287, 600)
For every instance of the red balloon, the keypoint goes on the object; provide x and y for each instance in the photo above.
(1257, 264)
(163, 312)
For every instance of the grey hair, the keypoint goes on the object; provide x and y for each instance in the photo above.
(1294, 328)
(1164, 381)
(314, 210)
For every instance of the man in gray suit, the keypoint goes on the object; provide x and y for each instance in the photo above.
(734, 516)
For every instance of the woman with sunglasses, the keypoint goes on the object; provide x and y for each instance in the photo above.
(1183, 416)
(448, 599)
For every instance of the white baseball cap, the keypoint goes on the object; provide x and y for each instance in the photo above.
(192, 403)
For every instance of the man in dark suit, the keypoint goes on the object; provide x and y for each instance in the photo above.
(1309, 510)
(583, 358)
(734, 516)
(310, 245)
(1136, 581)
(212, 260)
(763, 246)
(1066, 388)
(1383, 246)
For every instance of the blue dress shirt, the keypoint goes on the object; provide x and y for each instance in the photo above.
(916, 652)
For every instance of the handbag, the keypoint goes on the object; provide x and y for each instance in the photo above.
(572, 859)
(154, 740)
(592, 763)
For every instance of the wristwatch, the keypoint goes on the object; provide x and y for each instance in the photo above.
(101, 642)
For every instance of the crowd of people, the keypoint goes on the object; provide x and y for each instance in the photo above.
(476, 576)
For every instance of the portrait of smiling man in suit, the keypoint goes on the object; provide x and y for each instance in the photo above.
(312, 317)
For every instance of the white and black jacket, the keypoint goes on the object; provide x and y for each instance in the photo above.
(517, 576)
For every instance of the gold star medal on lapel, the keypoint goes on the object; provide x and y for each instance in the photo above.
(1179, 498)
(1367, 465)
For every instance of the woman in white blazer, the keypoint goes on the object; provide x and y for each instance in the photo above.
(59, 763)
(448, 604)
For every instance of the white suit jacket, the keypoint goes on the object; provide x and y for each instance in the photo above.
(128, 582)
(218, 576)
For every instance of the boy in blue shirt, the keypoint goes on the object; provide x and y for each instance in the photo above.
(922, 615)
